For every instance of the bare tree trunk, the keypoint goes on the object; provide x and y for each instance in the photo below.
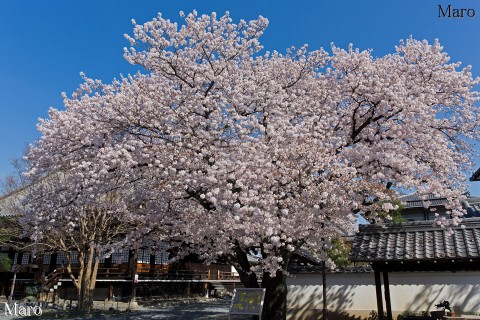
(93, 278)
(77, 282)
(133, 264)
(275, 303)
(87, 283)
(243, 267)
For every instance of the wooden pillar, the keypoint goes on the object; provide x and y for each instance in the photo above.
(11, 255)
(110, 291)
(133, 263)
(378, 290)
(152, 263)
(53, 262)
(388, 303)
(19, 258)
(36, 267)
(207, 290)
(108, 262)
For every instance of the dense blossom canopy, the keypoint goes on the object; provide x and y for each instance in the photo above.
(226, 149)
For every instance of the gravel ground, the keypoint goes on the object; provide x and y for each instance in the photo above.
(199, 309)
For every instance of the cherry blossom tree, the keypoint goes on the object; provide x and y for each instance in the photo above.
(85, 225)
(232, 151)
(74, 207)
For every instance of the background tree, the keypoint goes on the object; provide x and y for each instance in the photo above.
(8, 236)
(232, 153)
(5, 263)
(16, 180)
(12, 188)
(66, 214)
(339, 252)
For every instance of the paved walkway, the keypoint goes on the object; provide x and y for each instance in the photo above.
(202, 309)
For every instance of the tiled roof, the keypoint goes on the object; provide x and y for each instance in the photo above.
(475, 176)
(413, 200)
(472, 204)
(416, 197)
(417, 241)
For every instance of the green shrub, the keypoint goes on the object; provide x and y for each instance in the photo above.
(374, 315)
(5, 263)
(407, 313)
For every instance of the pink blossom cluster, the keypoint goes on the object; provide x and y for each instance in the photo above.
(227, 150)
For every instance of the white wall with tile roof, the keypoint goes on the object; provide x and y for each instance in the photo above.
(352, 295)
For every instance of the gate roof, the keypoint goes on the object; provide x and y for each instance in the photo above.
(417, 242)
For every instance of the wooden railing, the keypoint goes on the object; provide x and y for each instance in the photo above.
(224, 275)
(106, 272)
(178, 275)
(112, 272)
(164, 274)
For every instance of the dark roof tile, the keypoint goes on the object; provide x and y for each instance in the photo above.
(475, 176)
(417, 241)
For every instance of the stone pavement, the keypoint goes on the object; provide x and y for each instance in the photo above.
(194, 309)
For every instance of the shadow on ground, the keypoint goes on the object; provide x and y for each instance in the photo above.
(184, 310)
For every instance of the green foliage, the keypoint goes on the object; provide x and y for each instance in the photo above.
(32, 290)
(395, 215)
(9, 229)
(5, 263)
(407, 313)
(374, 315)
(339, 252)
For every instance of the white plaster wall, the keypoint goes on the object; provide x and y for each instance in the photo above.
(354, 293)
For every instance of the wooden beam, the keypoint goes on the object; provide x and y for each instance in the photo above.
(378, 290)
(452, 265)
(388, 302)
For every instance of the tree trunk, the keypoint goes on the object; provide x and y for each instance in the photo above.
(87, 279)
(275, 304)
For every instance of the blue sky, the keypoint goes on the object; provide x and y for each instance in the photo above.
(45, 44)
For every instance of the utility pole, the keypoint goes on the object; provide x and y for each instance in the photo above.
(324, 284)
